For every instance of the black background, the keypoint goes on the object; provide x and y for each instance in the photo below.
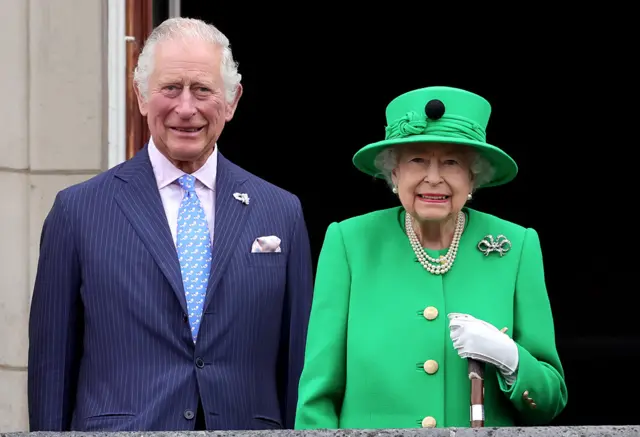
(316, 83)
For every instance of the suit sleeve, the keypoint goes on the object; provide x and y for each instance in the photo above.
(299, 294)
(539, 371)
(55, 327)
(322, 383)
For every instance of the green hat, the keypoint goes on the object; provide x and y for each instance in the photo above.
(439, 115)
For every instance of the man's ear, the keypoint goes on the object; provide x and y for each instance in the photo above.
(231, 107)
(142, 103)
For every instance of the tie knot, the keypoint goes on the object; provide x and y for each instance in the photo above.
(187, 182)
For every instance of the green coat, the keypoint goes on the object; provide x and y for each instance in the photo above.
(369, 334)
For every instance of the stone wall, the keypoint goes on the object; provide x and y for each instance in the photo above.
(52, 119)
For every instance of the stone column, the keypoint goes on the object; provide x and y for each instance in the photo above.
(53, 125)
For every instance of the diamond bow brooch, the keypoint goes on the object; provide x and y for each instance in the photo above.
(490, 244)
(242, 197)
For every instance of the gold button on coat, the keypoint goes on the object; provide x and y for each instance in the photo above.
(430, 313)
(431, 366)
(428, 422)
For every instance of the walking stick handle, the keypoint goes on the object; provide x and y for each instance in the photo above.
(476, 375)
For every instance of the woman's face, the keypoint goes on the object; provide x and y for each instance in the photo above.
(433, 180)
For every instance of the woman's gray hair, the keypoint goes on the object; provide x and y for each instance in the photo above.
(175, 28)
(481, 169)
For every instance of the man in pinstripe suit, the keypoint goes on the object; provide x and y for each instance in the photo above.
(172, 291)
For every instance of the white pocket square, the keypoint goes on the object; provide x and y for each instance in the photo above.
(266, 244)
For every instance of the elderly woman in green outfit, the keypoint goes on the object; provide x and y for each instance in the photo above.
(404, 296)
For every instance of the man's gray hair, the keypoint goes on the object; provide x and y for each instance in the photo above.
(481, 169)
(175, 28)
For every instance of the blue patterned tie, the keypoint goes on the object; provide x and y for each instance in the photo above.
(194, 251)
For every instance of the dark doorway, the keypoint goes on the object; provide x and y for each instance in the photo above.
(316, 83)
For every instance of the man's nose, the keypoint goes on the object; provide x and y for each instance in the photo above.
(186, 107)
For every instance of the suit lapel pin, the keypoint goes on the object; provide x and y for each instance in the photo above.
(242, 197)
(489, 244)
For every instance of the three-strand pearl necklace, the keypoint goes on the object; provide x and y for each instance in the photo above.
(436, 266)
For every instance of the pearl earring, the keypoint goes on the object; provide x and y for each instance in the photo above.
(395, 190)
(469, 196)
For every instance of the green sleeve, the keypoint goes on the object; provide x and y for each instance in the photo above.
(322, 382)
(539, 371)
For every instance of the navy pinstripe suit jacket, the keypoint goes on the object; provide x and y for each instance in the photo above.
(110, 346)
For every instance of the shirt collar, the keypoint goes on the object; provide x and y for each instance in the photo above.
(166, 173)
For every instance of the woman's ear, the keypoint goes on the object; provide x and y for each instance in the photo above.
(472, 178)
(394, 177)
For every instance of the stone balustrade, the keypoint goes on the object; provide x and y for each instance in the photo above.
(578, 431)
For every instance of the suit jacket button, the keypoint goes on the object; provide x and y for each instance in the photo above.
(430, 313)
(428, 422)
(188, 414)
(185, 318)
(431, 366)
(199, 363)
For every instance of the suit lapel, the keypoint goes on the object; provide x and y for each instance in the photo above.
(140, 202)
(231, 216)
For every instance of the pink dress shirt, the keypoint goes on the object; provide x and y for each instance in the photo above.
(171, 193)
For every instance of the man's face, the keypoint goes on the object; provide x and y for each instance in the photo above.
(186, 108)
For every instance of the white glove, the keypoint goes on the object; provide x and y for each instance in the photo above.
(479, 340)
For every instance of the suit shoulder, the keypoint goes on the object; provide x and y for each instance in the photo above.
(265, 192)
(371, 223)
(495, 223)
(520, 236)
(89, 185)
